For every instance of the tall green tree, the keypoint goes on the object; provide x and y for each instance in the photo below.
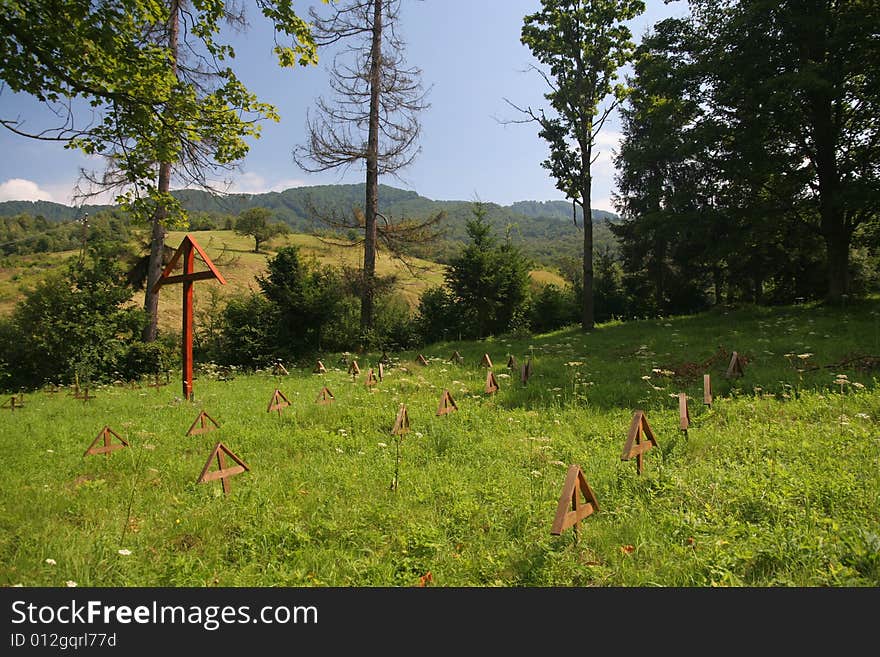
(306, 297)
(488, 280)
(807, 74)
(257, 223)
(582, 44)
(163, 111)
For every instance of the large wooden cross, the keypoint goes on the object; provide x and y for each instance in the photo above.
(188, 248)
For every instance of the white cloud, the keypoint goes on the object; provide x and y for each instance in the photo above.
(603, 204)
(254, 183)
(19, 189)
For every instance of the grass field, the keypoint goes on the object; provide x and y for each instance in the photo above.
(776, 484)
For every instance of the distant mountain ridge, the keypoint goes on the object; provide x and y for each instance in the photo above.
(544, 228)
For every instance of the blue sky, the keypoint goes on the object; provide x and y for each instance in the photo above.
(471, 58)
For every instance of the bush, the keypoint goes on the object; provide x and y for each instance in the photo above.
(74, 323)
(552, 308)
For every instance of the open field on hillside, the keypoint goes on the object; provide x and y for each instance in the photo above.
(233, 254)
(776, 484)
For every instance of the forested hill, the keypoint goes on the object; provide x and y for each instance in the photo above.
(544, 228)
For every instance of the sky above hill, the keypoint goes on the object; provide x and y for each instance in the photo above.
(471, 60)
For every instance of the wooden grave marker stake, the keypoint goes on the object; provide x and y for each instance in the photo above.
(325, 397)
(526, 371)
(684, 415)
(353, 369)
(85, 396)
(371, 379)
(736, 366)
(188, 249)
(203, 421)
(486, 361)
(422, 360)
(384, 360)
(707, 390)
(278, 402)
(381, 370)
(447, 404)
(319, 368)
(401, 422)
(75, 392)
(456, 358)
(570, 510)
(220, 452)
(491, 383)
(106, 435)
(639, 429)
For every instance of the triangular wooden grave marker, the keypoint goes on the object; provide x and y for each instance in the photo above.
(570, 510)
(486, 362)
(13, 403)
(202, 424)
(684, 415)
(421, 359)
(105, 435)
(511, 362)
(447, 404)
(278, 402)
(53, 388)
(456, 358)
(319, 368)
(491, 383)
(371, 379)
(279, 370)
(735, 368)
(353, 369)
(639, 440)
(220, 452)
(707, 390)
(401, 423)
(325, 397)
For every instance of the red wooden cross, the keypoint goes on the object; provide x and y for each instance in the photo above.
(188, 248)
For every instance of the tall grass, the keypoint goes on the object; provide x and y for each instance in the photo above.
(777, 484)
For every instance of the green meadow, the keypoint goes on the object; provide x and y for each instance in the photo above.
(775, 484)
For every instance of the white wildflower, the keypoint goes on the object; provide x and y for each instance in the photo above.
(51, 562)
(70, 583)
(125, 552)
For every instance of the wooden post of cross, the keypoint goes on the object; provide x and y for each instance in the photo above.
(187, 250)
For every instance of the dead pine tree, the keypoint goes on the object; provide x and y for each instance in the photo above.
(372, 119)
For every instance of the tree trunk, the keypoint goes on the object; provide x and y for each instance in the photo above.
(154, 266)
(157, 233)
(587, 304)
(372, 186)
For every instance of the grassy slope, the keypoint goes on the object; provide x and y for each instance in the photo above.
(777, 484)
(233, 254)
